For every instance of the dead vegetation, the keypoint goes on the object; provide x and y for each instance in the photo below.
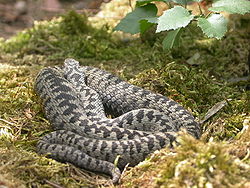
(220, 159)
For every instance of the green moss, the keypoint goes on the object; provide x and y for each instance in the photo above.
(189, 86)
(50, 42)
(225, 58)
(75, 24)
(198, 91)
(197, 87)
(73, 36)
(22, 123)
(67, 36)
(33, 170)
(193, 164)
(16, 43)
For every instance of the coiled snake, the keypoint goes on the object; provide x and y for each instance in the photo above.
(77, 100)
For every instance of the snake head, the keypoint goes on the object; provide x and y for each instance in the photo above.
(70, 66)
(71, 63)
(73, 72)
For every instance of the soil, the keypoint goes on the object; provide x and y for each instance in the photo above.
(16, 15)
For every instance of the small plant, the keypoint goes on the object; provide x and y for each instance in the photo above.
(212, 23)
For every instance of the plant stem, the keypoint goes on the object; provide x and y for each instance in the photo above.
(169, 5)
(208, 14)
(200, 8)
(130, 4)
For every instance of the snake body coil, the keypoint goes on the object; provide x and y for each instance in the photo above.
(76, 102)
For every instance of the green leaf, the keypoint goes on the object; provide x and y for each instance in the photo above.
(172, 39)
(214, 26)
(152, 20)
(174, 18)
(131, 22)
(145, 25)
(231, 6)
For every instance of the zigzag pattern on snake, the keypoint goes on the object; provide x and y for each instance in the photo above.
(76, 102)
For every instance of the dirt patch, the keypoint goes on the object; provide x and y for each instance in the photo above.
(18, 15)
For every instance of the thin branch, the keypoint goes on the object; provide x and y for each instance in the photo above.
(169, 5)
(208, 14)
(201, 13)
(53, 184)
(5, 121)
(247, 155)
(130, 4)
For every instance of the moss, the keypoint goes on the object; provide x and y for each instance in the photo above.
(73, 36)
(33, 170)
(75, 24)
(50, 42)
(7, 180)
(22, 123)
(67, 36)
(219, 159)
(192, 164)
(225, 58)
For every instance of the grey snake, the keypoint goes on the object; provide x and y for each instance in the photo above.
(78, 102)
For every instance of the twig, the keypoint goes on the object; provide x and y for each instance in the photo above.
(208, 14)
(212, 111)
(61, 10)
(4, 127)
(130, 4)
(49, 45)
(200, 8)
(123, 172)
(53, 184)
(5, 121)
(247, 155)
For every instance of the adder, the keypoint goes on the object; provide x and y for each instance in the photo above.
(77, 101)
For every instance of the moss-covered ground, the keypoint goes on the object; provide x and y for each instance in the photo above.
(221, 158)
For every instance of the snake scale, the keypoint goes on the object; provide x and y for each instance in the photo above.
(77, 100)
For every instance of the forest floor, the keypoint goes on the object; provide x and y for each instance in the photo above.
(202, 74)
(17, 15)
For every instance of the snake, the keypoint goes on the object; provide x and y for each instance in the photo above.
(102, 123)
